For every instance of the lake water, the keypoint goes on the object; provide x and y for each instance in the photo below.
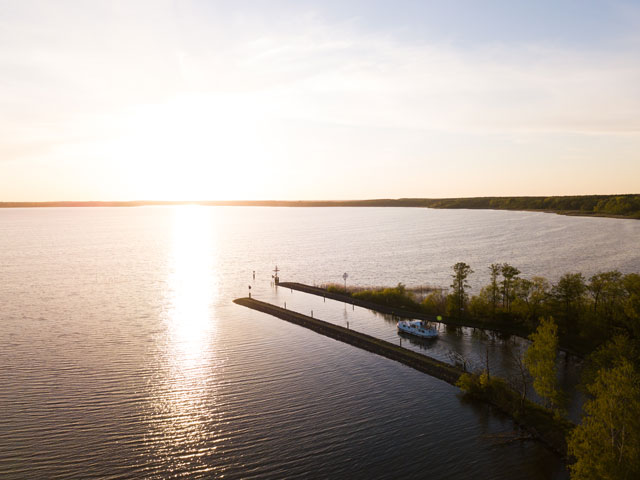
(123, 355)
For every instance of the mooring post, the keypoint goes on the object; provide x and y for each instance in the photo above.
(311, 313)
(285, 305)
(347, 325)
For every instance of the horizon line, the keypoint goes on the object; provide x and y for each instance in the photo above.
(81, 203)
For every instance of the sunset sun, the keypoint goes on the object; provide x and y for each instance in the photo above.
(193, 148)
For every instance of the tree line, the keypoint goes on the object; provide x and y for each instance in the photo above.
(615, 205)
(588, 311)
(604, 310)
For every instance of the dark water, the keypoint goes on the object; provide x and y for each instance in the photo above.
(122, 355)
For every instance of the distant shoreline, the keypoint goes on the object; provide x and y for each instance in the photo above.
(611, 206)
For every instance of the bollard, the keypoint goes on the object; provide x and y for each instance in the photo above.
(311, 313)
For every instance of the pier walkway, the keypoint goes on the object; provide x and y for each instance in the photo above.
(431, 366)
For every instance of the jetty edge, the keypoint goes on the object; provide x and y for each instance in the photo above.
(539, 422)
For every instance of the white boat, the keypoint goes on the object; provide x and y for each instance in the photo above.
(418, 328)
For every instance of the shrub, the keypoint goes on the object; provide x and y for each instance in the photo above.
(394, 297)
(468, 383)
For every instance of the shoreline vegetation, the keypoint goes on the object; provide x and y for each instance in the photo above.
(614, 206)
(596, 318)
(589, 312)
(388, 300)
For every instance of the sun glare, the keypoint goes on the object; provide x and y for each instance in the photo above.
(191, 282)
(188, 388)
(194, 148)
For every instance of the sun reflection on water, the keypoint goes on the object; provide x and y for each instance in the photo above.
(185, 404)
(191, 283)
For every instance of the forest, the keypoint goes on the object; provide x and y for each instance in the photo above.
(597, 318)
(604, 205)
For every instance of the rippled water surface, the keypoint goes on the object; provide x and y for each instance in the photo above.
(123, 356)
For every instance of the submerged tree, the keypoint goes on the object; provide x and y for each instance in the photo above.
(459, 296)
(520, 379)
(540, 360)
(606, 444)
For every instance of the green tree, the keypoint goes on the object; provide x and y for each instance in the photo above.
(459, 296)
(480, 305)
(509, 273)
(494, 288)
(611, 354)
(606, 290)
(569, 295)
(530, 297)
(540, 360)
(606, 444)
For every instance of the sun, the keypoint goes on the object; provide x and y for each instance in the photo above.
(194, 147)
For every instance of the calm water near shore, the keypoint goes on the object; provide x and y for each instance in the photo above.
(122, 355)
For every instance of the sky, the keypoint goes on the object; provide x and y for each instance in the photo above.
(284, 99)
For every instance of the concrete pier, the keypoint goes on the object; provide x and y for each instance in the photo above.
(425, 364)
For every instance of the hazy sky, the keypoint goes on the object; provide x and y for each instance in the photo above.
(277, 99)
